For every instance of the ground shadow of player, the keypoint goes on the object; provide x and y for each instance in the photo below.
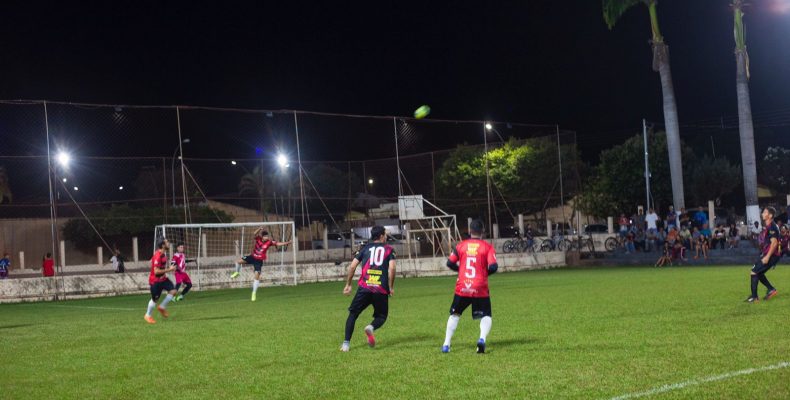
(16, 326)
(413, 339)
(515, 342)
(209, 318)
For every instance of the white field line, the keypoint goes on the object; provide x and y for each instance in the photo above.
(141, 307)
(700, 381)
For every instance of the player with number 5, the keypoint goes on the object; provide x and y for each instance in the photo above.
(475, 260)
(375, 285)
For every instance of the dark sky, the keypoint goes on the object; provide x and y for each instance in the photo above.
(528, 61)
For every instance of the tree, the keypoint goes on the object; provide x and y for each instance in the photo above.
(745, 126)
(523, 173)
(774, 167)
(616, 185)
(612, 11)
(712, 178)
(254, 184)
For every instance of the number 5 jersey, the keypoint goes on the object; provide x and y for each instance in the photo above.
(473, 257)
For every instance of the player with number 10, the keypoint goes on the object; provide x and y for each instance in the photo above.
(375, 285)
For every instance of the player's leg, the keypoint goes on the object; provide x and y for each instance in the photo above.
(360, 302)
(481, 309)
(238, 264)
(171, 292)
(757, 269)
(156, 291)
(187, 286)
(257, 281)
(380, 312)
(456, 309)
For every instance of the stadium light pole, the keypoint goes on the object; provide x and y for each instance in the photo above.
(173, 169)
(487, 127)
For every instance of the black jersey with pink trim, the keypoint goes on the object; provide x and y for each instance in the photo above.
(375, 259)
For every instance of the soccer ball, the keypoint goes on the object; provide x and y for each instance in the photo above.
(422, 112)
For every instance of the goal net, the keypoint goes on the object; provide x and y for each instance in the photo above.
(212, 251)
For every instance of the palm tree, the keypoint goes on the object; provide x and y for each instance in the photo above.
(612, 11)
(745, 127)
(252, 183)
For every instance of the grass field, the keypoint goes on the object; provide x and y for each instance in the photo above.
(569, 333)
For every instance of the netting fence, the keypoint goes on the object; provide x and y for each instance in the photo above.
(131, 168)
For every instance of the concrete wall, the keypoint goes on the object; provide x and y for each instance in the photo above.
(37, 289)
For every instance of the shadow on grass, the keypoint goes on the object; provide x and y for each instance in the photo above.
(15, 326)
(411, 339)
(515, 342)
(207, 318)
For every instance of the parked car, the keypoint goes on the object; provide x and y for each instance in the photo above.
(336, 241)
(596, 228)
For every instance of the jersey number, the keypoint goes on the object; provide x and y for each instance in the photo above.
(377, 256)
(470, 268)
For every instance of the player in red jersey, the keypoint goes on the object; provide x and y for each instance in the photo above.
(376, 284)
(258, 257)
(475, 260)
(180, 262)
(159, 281)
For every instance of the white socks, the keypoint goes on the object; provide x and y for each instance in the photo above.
(166, 300)
(238, 267)
(452, 323)
(485, 327)
(255, 285)
(151, 306)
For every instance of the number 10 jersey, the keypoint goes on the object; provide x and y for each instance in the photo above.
(375, 259)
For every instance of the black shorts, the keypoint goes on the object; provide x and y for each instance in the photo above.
(481, 306)
(158, 287)
(759, 267)
(363, 299)
(256, 264)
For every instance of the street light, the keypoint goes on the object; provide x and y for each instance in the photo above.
(65, 180)
(282, 160)
(233, 162)
(120, 187)
(173, 167)
(76, 188)
(63, 159)
(489, 126)
(370, 181)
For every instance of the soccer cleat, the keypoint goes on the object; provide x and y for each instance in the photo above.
(751, 299)
(344, 347)
(254, 296)
(163, 311)
(234, 275)
(179, 298)
(481, 346)
(149, 319)
(371, 338)
(770, 295)
(445, 349)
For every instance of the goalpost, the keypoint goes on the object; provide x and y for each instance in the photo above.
(213, 249)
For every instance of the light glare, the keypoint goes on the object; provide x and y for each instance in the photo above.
(63, 159)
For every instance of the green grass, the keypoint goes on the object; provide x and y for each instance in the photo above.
(572, 333)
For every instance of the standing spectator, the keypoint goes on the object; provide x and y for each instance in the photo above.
(5, 265)
(683, 218)
(117, 261)
(48, 265)
(650, 220)
(672, 218)
(784, 240)
(755, 234)
(638, 219)
(700, 217)
(734, 236)
(624, 223)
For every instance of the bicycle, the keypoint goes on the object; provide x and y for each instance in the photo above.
(613, 242)
(519, 244)
(556, 242)
(582, 243)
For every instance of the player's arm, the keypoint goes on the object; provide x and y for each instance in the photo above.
(350, 275)
(392, 277)
(771, 249)
(452, 261)
(492, 263)
(278, 244)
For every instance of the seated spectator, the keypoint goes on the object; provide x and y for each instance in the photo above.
(683, 219)
(48, 265)
(666, 256)
(5, 265)
(704, 243)
(661, 237)
(695, 238)
(678, 252)
(733, 236)
(629, 245)
(719, 238)
(672, 236)
(685, 236)
(639, 240)
(650, 240)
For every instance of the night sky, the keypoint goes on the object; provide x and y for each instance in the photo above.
(528, 61)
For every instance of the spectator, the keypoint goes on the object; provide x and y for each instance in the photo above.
(719, 237)
(630, 247)
(48, 265)
(661, 237)
(650, 241)
(755, 234)
(695, 238)
(5, 265)
(673, 235)
(117, 261)
(685, 236)
(639, 219)
(624, 223)
(704, 242)
(672, 218)
(683, 218)
(678, 252)
(700, 217)
(639, 240)
(734, 236)
(666, 256)
(784, 240)
(651, 220)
